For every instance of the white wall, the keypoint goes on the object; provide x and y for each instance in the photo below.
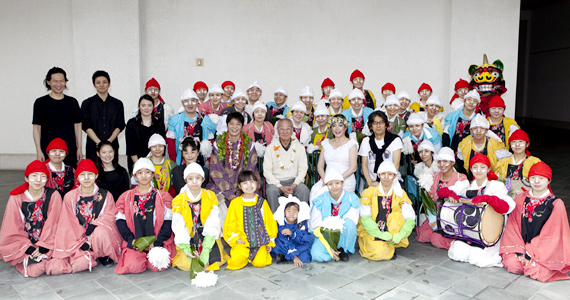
(291, 43)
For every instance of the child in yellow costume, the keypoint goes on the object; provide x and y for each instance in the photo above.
(196, 221)
(387, 217)
(249, 228)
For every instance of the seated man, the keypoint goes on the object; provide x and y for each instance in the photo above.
(285, 166)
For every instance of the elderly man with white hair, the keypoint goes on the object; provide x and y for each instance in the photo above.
(285, 166)
(483, 141)
(189, 123)
(457, 122)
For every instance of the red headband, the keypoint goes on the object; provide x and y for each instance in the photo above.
(425, 86)
(86, 165)
(389, 87)
(356, 74)
(540, 169)
(328, 82)
(200, 85)
(520, 135)
(497, 101)
(153, 83)
(57, 143)
(483, 159)
(226, 83)
(461, 84)
(34, 167)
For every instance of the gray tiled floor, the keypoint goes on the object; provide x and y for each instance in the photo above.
(419, 271)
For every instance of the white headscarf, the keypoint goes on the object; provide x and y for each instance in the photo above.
(304, 211)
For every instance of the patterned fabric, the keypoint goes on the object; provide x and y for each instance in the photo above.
(85, 211)
(334, 209)
(34, 218)
(297, 132)
(139, 203)
(535, 214)
(254, 227)
(277, 111)
(384, 209)
(197, 227)
(499, 130)
(358, 123)
(462, 128)
(515, 172)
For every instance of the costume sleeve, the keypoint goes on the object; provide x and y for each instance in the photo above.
(303, 166)
(498, 189)
(502, 153)
(512, 241)
(212, 226)
(208, 128)
(50, 227)
(408, 211)
(13, 239)
(252, 166)
(165, 233)
(120, 220)
(316, 217)
(86, 115)
(233, 225)
(268, 166)
(303, 237)
(107, 214)
(38, 117)
(220, 182)
(179, 229)
(270, 223)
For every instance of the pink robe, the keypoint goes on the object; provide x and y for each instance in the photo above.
(133, 261)
(424, 232)
(14, 240)
(267, 131)
(206, 108)
(549, 251)
(105, 239)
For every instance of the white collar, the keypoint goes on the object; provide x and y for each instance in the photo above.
(354, 114)
(192, 197)
(52, 167)
(249, 199)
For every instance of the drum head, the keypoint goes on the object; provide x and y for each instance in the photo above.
(492, 225)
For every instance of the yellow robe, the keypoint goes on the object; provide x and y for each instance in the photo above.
(180, 205)
(377, 249)
(467, 145)
(502, 166)
(234, 229)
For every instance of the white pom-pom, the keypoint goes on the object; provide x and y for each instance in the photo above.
(407, 145)
(159, 257)
(366, 131)
(206, 148)
(215, 118)
(205, 279)
(334, 223)
(311, 148)
(259, 148)
(352, 135)
(425, 181)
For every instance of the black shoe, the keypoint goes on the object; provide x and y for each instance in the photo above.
(279, 258)
(343, 255)
(105, 261)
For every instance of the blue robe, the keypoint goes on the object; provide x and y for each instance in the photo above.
(176, 126)
(366, 111)
(347, 240)
(298, 244)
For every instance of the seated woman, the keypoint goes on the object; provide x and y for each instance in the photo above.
(86, 229)
(233, 153)
(294, 240)
(484, 189)
(426, 150)
(396, 124)
(536, 241)
(61, 176)
(516, 166)
(301, 130)
(433, 115)
(387, 217)
(140, 128)
(335, 202)
(190, 154)
(334, 156)
(259, 130)
(196, 221)
(112, 177)
(446, 177)
(249, 228)
(141, 212)
(162, 166)
(356, 114)
(30, 221)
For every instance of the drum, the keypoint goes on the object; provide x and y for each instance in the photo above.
(475, 223)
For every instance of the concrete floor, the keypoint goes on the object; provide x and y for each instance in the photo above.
(419, 271)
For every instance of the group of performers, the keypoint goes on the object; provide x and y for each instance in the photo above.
(199, 192)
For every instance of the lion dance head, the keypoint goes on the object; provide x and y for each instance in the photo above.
(487, 79)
